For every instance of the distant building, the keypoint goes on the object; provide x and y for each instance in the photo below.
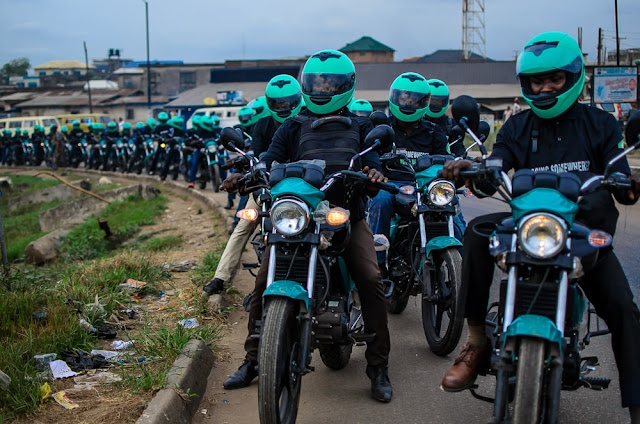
(451, 56)
(62, 67)
(628, 57)
(368, 50)
(25, 82)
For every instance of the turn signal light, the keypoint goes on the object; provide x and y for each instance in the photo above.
(248, 214)
(337, 216)
(599, 239)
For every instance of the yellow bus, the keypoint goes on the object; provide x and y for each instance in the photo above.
(85, 119)
(28, 122)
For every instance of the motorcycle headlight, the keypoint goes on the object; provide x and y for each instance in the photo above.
(542, 235)
(212, 149)
(441, 193)
(289, 217)
(407, 189)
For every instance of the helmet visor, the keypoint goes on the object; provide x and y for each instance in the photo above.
(438, 103)
(244, 119)
(284, 104)
(327, 84)
(409, 100)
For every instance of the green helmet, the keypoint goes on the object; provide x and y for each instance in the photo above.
(439, 102)
(25, 132)
(244, 115)
(6, 131)
(38, 129)
(151, 123)
(139, 125)
(97, 128)
(284, 98)
(126, 128)
(112, 127)
(64, 129)
(546, 53)
(163, 117)
(17, 132)
(177, 122)
(196, 120)
(75, 124)
(409, 97)
(260, 108)
(215, 121)
(328, 82)
(206, 123)
(360, 107)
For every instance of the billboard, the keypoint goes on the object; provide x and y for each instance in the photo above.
(226, 98)
(615, 85)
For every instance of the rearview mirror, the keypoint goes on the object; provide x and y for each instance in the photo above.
(383, 135)
(483, 130)
(457, 133)
(378, 118)
(632, 131)
(465, 112)
(230, 139)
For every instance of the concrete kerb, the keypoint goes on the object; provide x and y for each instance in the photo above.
(187, 379)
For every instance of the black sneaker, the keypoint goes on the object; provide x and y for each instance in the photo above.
(229, 204)
(381, 388)
(215, 286)
(243, 377)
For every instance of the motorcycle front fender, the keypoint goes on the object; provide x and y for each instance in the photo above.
(535, 326)
(440, 243)
(287, 288)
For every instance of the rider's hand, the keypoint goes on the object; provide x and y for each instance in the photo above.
(375, 176)
(230, 184)
(451, 169)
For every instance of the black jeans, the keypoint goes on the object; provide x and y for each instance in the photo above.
(360, 257)
(605, 285)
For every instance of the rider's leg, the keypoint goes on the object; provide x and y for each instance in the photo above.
(380, 214)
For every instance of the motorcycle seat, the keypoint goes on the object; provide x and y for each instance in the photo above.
(566, 183)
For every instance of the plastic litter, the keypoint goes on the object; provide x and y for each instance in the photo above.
(189, 323)
(79, 360)
(132, 285)
(87, 325)
(45, 392)
(93, 378)
(46, 359)
(60, 369)
(64, 401)
(121, 344)
(5, 380)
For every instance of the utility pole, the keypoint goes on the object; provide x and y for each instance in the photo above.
(86, 64)
(146, 13)
(617, 37)
(600, 57)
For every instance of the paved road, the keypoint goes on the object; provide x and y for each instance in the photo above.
(343, 396)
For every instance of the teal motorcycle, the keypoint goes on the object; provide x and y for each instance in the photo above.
(310, 301)
(422, 253)
(534, 329)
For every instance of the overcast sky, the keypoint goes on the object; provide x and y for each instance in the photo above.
(215, 30)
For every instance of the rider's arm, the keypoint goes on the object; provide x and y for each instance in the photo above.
(439, 141)
(282, 148)
(613, 146)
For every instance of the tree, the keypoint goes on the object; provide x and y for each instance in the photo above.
(14, 68)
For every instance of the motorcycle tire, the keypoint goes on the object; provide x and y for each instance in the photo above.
(202, 184)
(216, 179)
(335, 356)
(397, 303)
(530, 381)
(447, 274)
(278, 381)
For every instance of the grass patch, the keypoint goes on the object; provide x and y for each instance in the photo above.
(24, 184)
(161, 244)
(207, 266)
(87, 241)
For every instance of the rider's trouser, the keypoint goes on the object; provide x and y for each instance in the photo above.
(605, 285)
(232, 254)
(360, 257)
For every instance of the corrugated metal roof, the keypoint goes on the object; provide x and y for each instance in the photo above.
(20, 96)
(78, 98)
(378, 76)
(450, 56)
(196, 96)
(366, 44)
(62, 64)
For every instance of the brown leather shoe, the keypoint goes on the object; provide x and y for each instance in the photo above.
(465, 369)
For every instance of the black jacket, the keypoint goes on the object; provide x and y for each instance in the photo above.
(263, 132)
(580, 141)
(284, 148)
(425, 137)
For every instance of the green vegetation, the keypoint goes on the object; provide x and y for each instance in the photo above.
(207, 266)
(162, 243)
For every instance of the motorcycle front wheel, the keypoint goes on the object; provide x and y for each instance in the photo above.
(443, 312)
(530, 381)
(214, 174)
(279, 382)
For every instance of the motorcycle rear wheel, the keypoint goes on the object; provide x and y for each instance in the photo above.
(446, 282)
(530, 381)
(279, 382)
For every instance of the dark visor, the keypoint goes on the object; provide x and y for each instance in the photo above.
(409, 99)
(284, 104)
(438, 103)
(327, 84)
(244, 118)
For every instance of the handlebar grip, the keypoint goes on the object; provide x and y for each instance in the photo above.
(388, 187)
(468, 174)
